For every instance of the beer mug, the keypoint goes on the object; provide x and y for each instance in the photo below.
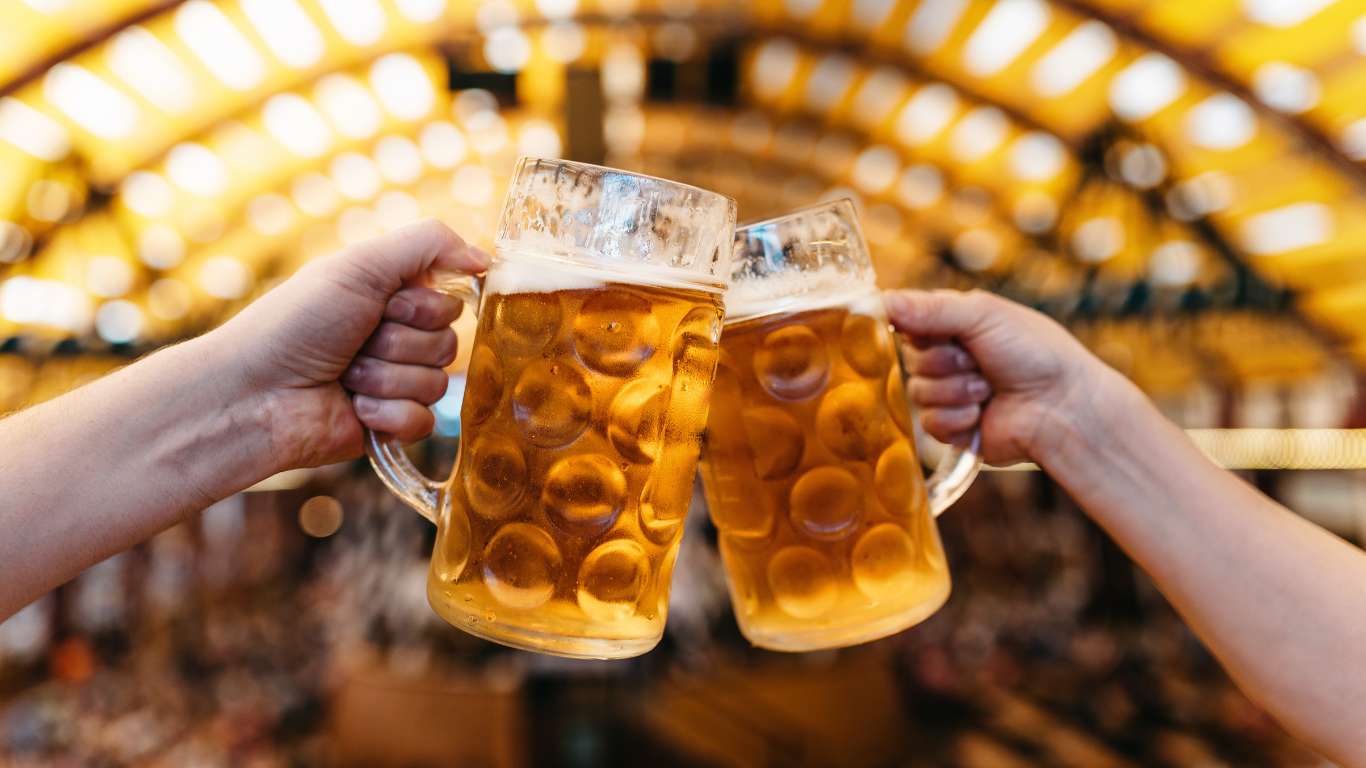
(585, 401)
(809, 468)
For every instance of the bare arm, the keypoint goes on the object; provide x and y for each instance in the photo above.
(355, 340)
(1279, 601)
(98, 470)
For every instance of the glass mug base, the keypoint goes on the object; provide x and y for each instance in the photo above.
(804, 635)
(550, 629)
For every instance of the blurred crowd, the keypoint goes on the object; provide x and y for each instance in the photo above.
(242, 638)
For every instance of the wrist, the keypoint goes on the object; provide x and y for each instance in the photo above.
(1096, 414)
(231, 408)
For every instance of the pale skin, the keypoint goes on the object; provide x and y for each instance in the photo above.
(351, 341)
(1279, 601)
(357, 340)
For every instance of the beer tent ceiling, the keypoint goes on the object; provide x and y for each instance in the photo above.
(1180, 181)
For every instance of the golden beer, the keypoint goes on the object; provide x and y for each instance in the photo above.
(581, 426)
(812, 479)
(585, 400)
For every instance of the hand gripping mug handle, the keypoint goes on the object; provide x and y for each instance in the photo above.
(392, 465)
(957, 468)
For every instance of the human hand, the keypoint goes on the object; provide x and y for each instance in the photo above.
(981, 358)
(357, 339)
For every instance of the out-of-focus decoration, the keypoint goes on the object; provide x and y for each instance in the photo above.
(1182, 188)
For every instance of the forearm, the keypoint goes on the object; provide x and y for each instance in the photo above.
(1281, 602)
(99, 469)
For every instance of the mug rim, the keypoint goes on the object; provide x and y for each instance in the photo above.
(843, 203)
(524, 161)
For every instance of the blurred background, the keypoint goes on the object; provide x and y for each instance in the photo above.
(1181, 183)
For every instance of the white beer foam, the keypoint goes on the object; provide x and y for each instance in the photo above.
(523, 272)
(800, 292)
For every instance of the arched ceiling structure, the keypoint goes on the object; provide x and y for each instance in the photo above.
(1180, 181)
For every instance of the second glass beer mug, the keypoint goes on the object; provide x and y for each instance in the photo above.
(810, 472)
(584, 406)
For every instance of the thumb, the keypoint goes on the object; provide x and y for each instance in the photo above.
(410, 252)
(934, 314)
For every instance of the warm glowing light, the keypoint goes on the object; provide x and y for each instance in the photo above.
(294, 122)
(398, 159)
(623, 73)
(488, 132)
(1286, 87)
(49, 200)
(976, 249)
(775, 64)
(1175, 264)
(356, 225)
(31, 131)
(270, 214)
(675, 41)
(15, 242)
(196, 169)
(150, 68)
(147, 193)
(876, 169)
(44, 302)
(349, 106)
(878, 95)
(118, 322)
(224, 277)
(1035, 213)
(422, 11)
(359, 22)
(979, 133)
(402, 86)
(396, 208)
(315, 194)
(1075, 59)
(920, 186)
(828, 81)
(538, 138)
(927, 114)
(1099, 239)
(495, 14)
(1143, 166)
(1300, 225)
(507, 49)
(564, 41)
(1006, 31)
(869, 14)
(92, 103)
(931, 25)
(1147, 85)
(161, 247)
(472, 185)
(356, 176)
(1037, 156)
(168, 299)
(1283, 13)
(443, 145)
(108, 276)
(220, 45)
(288, 31)
(1222, 122)
(1353, 140)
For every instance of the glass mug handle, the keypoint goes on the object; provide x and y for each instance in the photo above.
(393, 466)
(958, 466)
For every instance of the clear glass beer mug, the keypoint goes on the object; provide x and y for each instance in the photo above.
(585, 402)
(809, 468)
